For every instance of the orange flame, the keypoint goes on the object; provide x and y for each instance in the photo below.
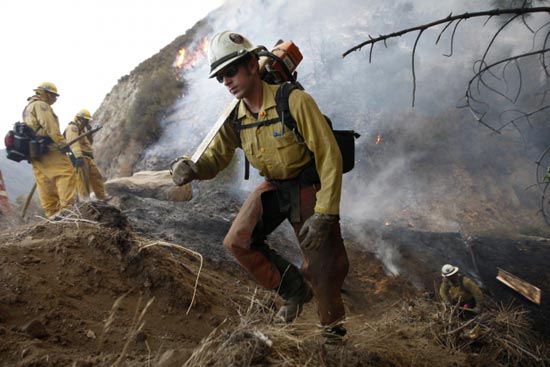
(379, 139)
(187, 60)
(180, 59)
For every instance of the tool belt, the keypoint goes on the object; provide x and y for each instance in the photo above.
(288, 191)
(39, 146)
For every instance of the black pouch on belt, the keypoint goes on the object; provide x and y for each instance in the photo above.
(288, 195)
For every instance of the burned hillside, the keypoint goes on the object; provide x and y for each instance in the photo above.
(107, 286)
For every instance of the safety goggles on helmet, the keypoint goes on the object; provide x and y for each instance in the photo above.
(228, 72)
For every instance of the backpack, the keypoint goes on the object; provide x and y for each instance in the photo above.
(17, 142)
(344, 138)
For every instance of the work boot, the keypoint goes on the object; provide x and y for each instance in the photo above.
(293, 306)
(293, 287)
(334, 335)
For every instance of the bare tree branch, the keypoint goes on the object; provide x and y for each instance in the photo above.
(413, 72)
(495, 36)
(450, 18)
(469, 96)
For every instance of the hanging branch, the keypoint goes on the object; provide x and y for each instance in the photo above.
(413, 72)
(469, 96)
(495, 37)
(450, 18)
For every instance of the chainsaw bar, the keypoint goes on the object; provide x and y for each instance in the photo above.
(214, 130)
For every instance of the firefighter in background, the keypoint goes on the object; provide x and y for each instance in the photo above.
(89, 177)
(288, 192)
(51, 160)
(458, 289)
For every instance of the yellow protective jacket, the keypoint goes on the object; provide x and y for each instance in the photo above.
(40, 117)
(82, 146)
(461, 292)
(274, 150)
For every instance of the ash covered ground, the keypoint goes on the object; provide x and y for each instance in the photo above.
(91, 293)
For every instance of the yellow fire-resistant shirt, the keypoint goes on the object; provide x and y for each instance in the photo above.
(274, 150)
(41, 118)
(84, 145)
(462, 293)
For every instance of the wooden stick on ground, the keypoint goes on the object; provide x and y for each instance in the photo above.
(527, 290)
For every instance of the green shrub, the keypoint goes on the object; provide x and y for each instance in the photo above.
(157, 94)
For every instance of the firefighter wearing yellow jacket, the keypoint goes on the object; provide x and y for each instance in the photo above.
(89, 177)
(458, 289)
(288, 192)
(55, 176)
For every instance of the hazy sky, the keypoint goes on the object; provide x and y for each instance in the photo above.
(83, 47)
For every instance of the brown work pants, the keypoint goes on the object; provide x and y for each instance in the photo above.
(325, 268)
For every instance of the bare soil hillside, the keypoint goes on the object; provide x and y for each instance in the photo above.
(96, 289)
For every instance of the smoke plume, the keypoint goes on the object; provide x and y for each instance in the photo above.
(434, 167)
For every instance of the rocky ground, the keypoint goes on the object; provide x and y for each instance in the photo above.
(146, 282)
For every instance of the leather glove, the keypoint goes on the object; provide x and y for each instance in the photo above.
(183, 170)
(68, 152)
(79, 162)
(316, 230)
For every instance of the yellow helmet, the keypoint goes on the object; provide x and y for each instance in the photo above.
(85, 114)
(48, 87)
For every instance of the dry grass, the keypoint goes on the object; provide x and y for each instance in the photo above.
(72, 215)
(135, 327)
(185, 249)
(253, 339)
(500, 336)
(418, 332)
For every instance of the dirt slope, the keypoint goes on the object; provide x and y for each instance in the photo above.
(66, 279)
(84, 294)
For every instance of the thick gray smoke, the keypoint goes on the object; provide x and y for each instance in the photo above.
(435, 168)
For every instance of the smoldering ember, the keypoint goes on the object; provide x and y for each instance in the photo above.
(450, 177)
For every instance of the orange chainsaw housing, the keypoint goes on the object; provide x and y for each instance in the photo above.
(289, 55)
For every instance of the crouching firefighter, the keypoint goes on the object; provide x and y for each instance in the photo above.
(296, 188)
(89, 178)
(49, 154)
(460, 290)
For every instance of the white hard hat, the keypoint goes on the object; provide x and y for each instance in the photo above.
(227, 47)
(447, 270)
